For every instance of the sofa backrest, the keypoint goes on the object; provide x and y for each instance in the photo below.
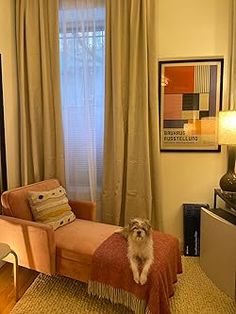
(15, 202)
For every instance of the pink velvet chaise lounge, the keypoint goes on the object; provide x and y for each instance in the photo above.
(66, 251)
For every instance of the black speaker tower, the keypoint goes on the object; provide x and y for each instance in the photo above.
(192, 219)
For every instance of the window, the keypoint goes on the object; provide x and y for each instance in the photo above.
(82, 43)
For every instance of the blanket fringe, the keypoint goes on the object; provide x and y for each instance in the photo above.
(118, 296)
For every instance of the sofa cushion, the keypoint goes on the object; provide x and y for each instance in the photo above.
(78, 240)
(15, 202)
(51, 207)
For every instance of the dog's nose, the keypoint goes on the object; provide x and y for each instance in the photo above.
(138, 232)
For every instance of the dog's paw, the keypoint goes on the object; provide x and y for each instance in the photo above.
(136, 278)
(143, 279)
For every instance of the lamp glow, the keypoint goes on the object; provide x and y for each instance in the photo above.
(227, 136)
(227, 127)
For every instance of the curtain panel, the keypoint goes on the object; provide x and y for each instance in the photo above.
(131, 148)
(3, 162)
(41, 137)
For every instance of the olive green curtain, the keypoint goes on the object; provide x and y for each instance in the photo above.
(41, 139)
(130, 185)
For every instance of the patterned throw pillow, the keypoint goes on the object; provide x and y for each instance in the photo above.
(51, 207)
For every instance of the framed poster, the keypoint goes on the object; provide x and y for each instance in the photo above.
(190, 97)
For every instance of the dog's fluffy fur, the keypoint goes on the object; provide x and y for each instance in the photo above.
(140, 248)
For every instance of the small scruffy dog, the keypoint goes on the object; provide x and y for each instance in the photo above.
(140, 248)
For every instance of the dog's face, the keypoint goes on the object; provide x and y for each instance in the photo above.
(139, 229)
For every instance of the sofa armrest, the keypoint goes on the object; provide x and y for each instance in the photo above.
(84, 209)
(33, 242)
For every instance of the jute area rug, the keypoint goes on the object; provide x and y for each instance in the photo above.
(195, 293)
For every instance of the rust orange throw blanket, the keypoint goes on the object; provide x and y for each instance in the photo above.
(112, 278)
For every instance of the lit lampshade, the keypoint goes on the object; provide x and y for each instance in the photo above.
(227, 135)
(227, 127)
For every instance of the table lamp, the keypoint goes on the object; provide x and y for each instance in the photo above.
(227, 136)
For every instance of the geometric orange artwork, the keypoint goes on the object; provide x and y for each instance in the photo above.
(190, 95)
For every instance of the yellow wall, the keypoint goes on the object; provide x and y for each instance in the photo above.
(190, 28)
(8, 52)
(187, 28)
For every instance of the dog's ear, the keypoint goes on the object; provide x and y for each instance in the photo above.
(125, 232)
(132, 222)
(148, 224)
(130, 225)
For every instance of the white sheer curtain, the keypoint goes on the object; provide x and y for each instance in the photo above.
(82, 36)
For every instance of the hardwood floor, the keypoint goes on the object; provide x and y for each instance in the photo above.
(7, 294)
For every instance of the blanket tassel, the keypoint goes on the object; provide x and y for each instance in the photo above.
(118, 296)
